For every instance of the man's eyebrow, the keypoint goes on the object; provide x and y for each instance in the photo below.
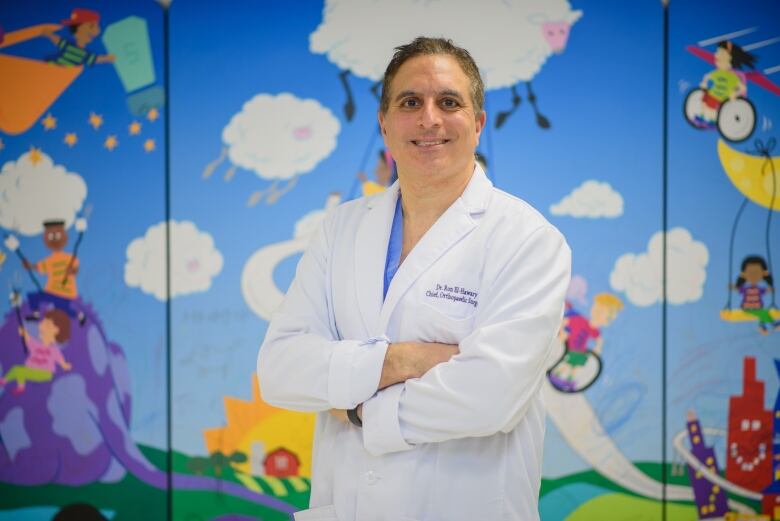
(446, 92)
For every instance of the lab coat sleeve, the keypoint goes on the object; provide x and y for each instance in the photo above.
(302, 365)
(489, 385)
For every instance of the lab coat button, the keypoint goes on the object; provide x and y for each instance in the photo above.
(371, 477)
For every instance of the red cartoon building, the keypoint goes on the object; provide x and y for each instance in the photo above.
(281, 463)
(749, 452)
(771, 502)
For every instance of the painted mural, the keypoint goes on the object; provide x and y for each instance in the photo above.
(148, 236)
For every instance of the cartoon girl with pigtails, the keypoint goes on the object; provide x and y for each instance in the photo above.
(753, 283)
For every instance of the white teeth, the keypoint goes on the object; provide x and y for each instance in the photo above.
(428, 143)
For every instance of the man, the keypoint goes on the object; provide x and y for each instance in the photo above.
(427, 312)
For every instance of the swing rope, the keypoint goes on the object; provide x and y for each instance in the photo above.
(731, 249)
(766, 151)
(363, 162)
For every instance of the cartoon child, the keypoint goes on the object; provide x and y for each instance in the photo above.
(44, 353)
(753, 283)
(84, 26)
(724, 83)
(577, 331)
(61, 269)
(383, 174)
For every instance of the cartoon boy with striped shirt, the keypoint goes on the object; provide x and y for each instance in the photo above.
(84, 25)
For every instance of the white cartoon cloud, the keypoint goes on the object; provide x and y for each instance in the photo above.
(280, 137)
(194, 260)
(33, 190)
(592, 199)
(639, 276)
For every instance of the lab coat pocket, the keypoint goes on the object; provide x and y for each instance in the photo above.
(326, 513)
(436, 326)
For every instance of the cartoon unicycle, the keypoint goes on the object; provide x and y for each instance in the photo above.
(736, 119)
(588, 371)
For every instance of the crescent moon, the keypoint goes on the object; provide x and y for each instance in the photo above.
(257, 279)
(745, 172)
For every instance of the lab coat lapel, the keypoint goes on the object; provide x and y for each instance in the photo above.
(452, 227)
(371, 241)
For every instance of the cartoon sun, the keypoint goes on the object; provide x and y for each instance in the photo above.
(258, 429)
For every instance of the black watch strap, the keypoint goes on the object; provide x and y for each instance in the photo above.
(354, 419)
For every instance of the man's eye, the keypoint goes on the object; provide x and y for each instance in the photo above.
(449, 103)
(410, 102)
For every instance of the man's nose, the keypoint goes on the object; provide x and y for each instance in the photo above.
(430, 115)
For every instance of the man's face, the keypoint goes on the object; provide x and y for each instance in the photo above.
(430, 125)
(55, 237)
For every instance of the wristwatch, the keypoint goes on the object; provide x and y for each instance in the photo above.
(354, 419)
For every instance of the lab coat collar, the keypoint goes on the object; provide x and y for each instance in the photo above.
(371, 241)
(373, 236)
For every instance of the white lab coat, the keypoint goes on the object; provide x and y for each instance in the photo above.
(464, 442)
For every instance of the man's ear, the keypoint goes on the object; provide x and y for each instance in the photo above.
(381, 118)
(481, 119)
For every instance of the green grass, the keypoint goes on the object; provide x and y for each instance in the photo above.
(652, 469)
(133, 500)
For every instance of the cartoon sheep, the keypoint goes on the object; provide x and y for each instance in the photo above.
(279, 138)
(509, 39)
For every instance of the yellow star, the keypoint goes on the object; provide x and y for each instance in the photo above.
(149, 145)
(71, 139)
(134, 128)
(111, 142)
(96, 120)
(153, 114)
(49, 122)
(35, 155)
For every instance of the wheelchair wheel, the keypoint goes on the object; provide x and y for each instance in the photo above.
(736, 119)
(586, 377)
(692, 107)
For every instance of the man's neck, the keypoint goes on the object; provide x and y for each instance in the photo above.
(425, 199)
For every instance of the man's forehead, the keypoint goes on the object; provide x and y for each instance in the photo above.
(439, 72)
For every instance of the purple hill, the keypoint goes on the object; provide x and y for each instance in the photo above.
(74, 429)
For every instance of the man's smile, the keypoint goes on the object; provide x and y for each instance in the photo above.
(429, 142)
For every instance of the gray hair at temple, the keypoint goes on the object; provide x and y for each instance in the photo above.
(422, 46)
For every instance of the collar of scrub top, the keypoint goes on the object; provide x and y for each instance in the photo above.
(373, 235)
(394, 246)
(474, 199)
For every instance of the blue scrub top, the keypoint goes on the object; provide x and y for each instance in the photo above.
(394, 246)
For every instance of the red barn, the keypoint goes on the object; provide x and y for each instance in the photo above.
(281, 463)
(749, 451)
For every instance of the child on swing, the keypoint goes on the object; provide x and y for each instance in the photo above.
(753, 283)
(44, 354)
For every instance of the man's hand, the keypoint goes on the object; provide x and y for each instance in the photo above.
(406, 360)
(339, 414)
